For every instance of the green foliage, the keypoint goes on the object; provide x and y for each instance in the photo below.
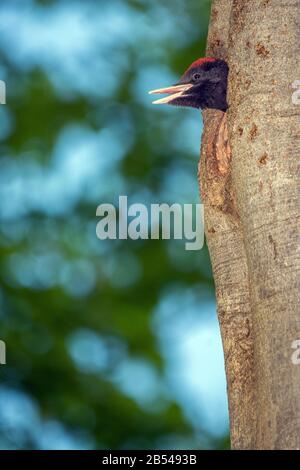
(57, 279)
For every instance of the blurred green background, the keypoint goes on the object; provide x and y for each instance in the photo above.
(110, 344)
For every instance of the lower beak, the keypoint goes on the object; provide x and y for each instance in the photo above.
(173, 91)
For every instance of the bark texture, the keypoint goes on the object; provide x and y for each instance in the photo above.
(264, 127)
(226, 245)
(250, 189)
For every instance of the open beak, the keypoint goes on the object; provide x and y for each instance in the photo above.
(174, 92)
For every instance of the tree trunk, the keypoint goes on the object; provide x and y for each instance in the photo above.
(251, 199)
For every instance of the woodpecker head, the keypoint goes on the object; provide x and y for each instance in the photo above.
(203, 85)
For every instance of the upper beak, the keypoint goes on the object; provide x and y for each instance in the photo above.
(173, 91)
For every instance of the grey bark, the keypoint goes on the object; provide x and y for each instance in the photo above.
(226, 245)
(264, 128)
(250, 190)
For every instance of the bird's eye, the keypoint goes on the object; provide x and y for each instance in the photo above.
(196, 77)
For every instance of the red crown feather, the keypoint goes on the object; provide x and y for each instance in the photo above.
(199, 62)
